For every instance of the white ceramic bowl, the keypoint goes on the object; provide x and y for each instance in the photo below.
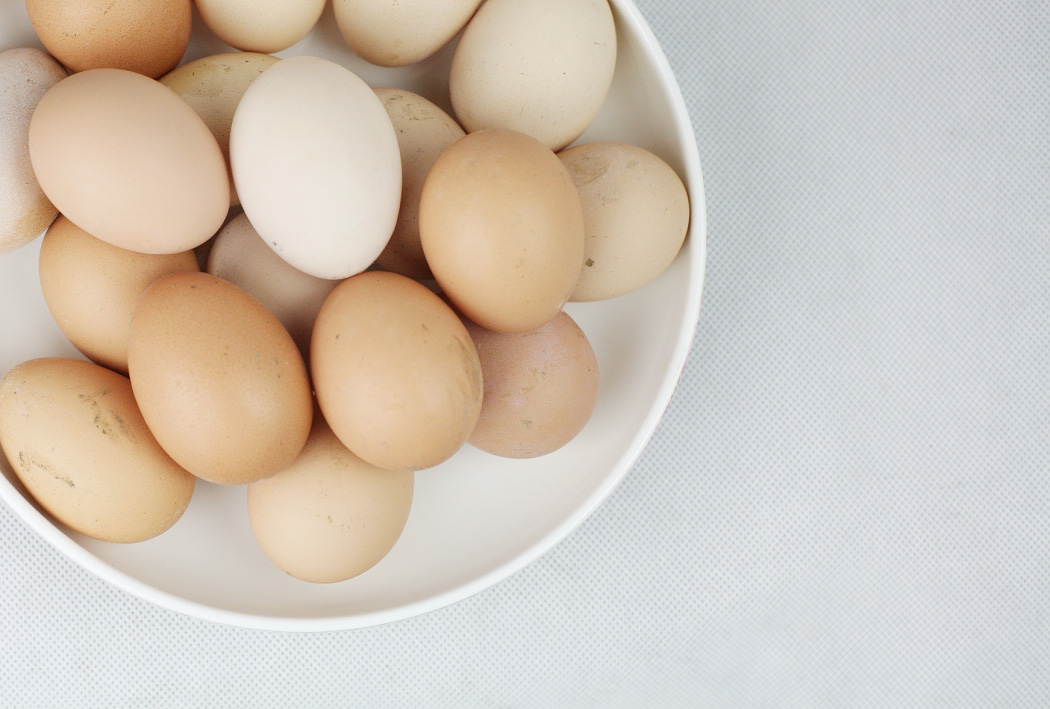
(476, 519)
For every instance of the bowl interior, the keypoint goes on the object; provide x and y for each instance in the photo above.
(476, 519)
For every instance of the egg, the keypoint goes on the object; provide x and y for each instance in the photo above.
(76, 440)
(213, 87)
(400, 32)
(317, 166)
(144, 36)
(541, 388)
(542, 67)
(25, 211)
(265, 26)
(424, 131)
(240, 256)
(636, 212)
(220, 382)
(501, 225)
(395, 372)
(129, 162)
(329, 516)
(92, 288)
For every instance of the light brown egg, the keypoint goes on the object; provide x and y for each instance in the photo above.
(424, 131)
(541, 388)
(395, 372)
(265, 26)
(145, 36)
(25, 75)
(542, 67)
(400, 32)
(219, 380)
(502, 229)
(92, 288)
(329, 516)
(213, 86)
(74, 436)
(636, 212)
(239, 255)
(129, 162)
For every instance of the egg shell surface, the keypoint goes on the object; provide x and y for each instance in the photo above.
(400, 32)
(265, 26)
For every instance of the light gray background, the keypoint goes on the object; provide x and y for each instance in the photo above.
(847, 503)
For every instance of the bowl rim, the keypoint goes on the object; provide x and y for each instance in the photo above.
(30, 515)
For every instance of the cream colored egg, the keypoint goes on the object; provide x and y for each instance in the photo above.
(213, 87)
(424, 131)
(129, 162)
(329, 516)
(265, 26)
(92, 288)
(25, 75)
(77, 441)
(636, 212)
(401, 32)
(240, 256)
(542, 67)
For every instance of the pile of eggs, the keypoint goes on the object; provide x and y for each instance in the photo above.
(287, 279)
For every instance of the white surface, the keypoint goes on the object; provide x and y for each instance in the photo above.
(847, 501)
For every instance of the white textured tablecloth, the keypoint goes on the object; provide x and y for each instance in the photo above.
(848, 502)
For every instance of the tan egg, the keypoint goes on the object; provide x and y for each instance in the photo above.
(265, 26)
(636, 212)
(74, 436)
(144, 36)
(502, 229)
(541, 388)
(219, 380)
(129, 162)
(424, 131)
(329, 516)
(213, 87)
(25, 75)
(92, 288)
(395, 372)
(240, 256)
(401, 32)
(542, 67)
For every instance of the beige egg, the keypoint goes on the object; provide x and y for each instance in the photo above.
(240, 256)
(329, 516)
(265, 26)
(541, 388)
(401, 32)
(219, 380)
(395, 372)
(92, 288)
(542, 67)
(129, 162)
(213, 87)
(636, 212)
(145, 36)
(25, 211)
(424, 131)
(502, 229)
(74, 436)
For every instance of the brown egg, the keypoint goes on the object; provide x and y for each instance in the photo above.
(541, 388)
(395, 372)
(145, 36)
(74, 436)
(424, 131)
(129, 162)
(636, 212)
(502, 229)
(219, 380)
(92, 288)
(213, 86)
(329, 516)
